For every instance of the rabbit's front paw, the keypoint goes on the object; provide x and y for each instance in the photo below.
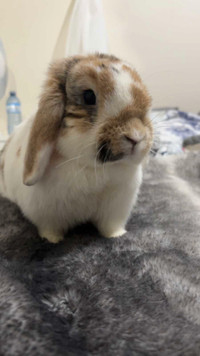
(52, 237)
(117, 233)
(113, 232)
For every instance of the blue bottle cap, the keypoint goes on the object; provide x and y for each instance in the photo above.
(12, 93)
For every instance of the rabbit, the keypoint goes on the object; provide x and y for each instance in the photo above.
(80, 157)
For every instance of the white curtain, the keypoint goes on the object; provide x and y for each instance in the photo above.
(87, 32)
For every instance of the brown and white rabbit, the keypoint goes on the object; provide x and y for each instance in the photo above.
(80, 157)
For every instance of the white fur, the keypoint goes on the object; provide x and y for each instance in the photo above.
(119, 66)
(73, 192)
(122, 96)
(78, 188)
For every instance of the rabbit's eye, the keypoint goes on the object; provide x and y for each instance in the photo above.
(89, 97)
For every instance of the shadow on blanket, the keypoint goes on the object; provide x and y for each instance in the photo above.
(137, 295)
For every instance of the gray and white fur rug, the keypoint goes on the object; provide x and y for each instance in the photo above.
(137, 295)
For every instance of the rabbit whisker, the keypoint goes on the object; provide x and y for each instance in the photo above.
(104, 163)
(95, 161)
(69, 160)
(77, 157)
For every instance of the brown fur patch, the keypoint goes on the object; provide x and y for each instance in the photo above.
(108, 57)
(142, 99)
(115, 128)
(76, 112)
(84, 71)
(102, 80)
(148, 124)
(106, 83)
(82, 125)
(50, 113)
(76, 117)
(134, 74)
(100, 59)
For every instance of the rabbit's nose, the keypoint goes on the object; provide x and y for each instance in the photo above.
(131, 140)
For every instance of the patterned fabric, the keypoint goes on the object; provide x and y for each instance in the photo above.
(172, 126)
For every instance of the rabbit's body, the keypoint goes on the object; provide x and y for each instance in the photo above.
(76, 179)
(71, 193)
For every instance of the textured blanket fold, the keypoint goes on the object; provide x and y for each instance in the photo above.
(137, 295)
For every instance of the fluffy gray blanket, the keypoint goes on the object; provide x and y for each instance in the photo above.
(137, 295)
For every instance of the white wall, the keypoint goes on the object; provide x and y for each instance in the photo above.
(160, 37)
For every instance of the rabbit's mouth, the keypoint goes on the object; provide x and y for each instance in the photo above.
(105, 153)
(128, 146)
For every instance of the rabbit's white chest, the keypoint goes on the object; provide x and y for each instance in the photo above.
(66, 197)
(73, 196)
(74, 193)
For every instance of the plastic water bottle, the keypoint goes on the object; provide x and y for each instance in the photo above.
(13, 108)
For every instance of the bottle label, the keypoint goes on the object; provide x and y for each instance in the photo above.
(11, 104)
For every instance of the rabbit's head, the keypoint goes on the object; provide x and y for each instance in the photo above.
(93, 107)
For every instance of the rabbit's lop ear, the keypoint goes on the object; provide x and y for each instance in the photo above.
(46, 123)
